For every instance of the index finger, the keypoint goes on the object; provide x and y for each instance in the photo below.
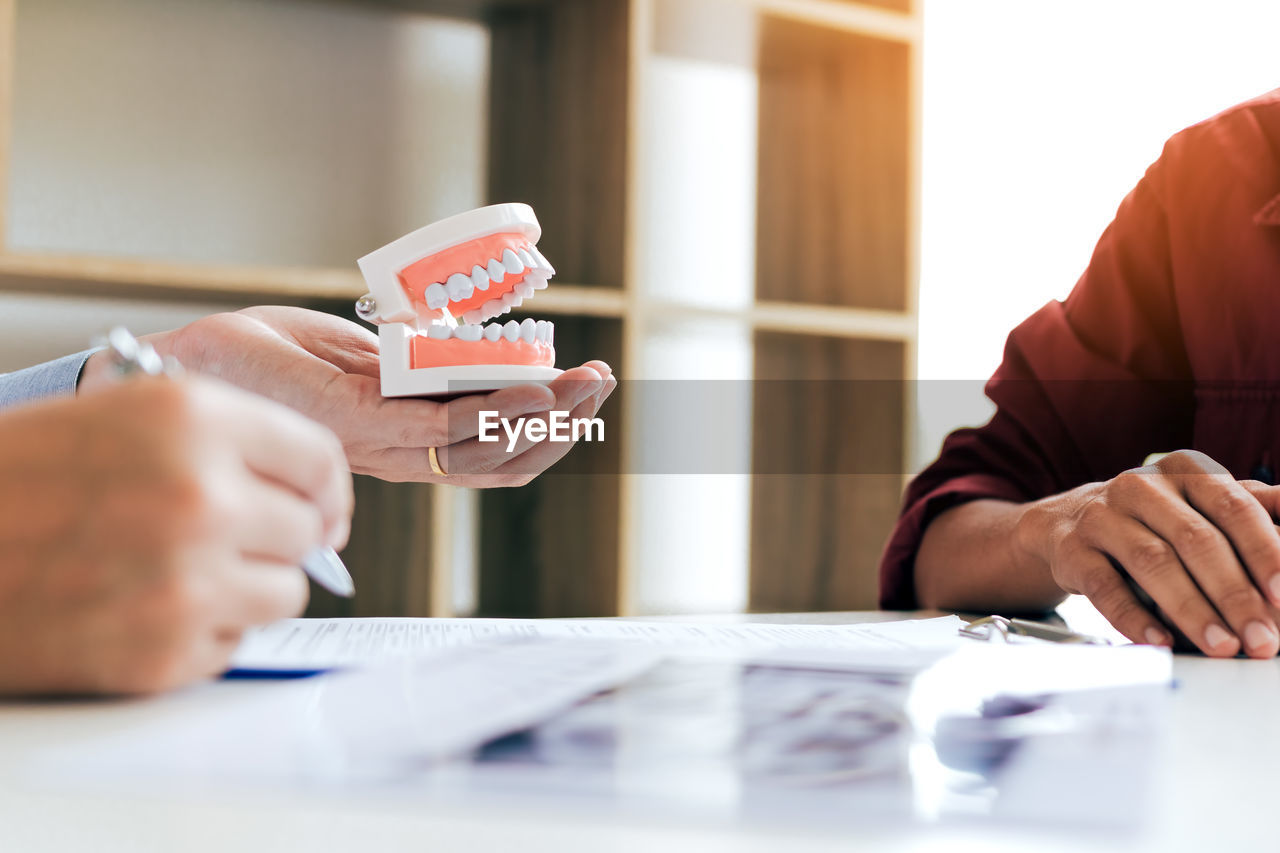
(283, 446)
(1267, 496)
(1241, 517)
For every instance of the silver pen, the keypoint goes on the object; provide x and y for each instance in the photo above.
(131, 357)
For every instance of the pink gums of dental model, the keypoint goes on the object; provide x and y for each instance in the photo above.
(471, 268)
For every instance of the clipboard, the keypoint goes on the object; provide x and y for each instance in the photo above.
(992, 628)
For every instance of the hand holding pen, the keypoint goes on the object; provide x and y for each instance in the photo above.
(149, 523)
(132, 357)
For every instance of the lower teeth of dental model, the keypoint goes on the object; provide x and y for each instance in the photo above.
(530, 331)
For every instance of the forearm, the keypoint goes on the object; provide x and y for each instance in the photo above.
(975, 557)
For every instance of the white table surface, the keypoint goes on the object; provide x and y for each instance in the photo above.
(1216, 790)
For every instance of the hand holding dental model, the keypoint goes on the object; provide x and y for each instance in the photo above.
(474, 267)
(328, 369)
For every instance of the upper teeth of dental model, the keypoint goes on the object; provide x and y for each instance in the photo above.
(491, 288)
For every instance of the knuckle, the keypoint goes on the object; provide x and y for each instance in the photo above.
(182, 489)
(1127, 482)
(178, 603)
(1100, 583)
(1238, 599)
(1196, 461)
(412, 435)
(1073, 564)
(439, 431)
(174, 404)
(1094, 512)
(231, 637)
(283, 596)
(1182, 462)
(163, 660)
(310, 519)
(1092, 584)
(296, 595)
(487, 463)
(1119, 607)
(1131, 488)
(297, 530)
(325, 459)
(157, 672)
(1231, 503)
(1193, 536)
(194, 498)
(1150, 558)
(310, 532)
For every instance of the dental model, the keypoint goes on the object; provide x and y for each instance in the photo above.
(432, 291)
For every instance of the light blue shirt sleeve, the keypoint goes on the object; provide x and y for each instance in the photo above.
(51, 379)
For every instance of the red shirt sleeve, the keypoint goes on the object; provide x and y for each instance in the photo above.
(1087, 388)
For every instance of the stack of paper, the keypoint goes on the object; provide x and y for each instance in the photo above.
(787, 723)
(302, 644)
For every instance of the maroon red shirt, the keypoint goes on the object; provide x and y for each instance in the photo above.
(1170, 340)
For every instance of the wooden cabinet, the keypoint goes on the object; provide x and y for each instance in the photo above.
(370, 119)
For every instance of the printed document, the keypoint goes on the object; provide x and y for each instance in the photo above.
(331, 643)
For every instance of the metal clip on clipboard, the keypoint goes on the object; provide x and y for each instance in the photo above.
(990, 628)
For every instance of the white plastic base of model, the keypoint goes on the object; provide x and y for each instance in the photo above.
(462, 379)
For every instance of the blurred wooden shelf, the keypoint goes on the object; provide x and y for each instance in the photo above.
(99, 276)
(466, 9)
(581, 301)
(844, 16)
(797, 318)
(889, 20)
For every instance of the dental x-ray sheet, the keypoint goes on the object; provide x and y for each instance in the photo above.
(988, 733)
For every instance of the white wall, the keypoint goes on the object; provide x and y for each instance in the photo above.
(1038, 118)
(241, 130)
(230, 131)
(41, 328)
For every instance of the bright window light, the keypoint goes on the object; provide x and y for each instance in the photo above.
(1038, 119)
